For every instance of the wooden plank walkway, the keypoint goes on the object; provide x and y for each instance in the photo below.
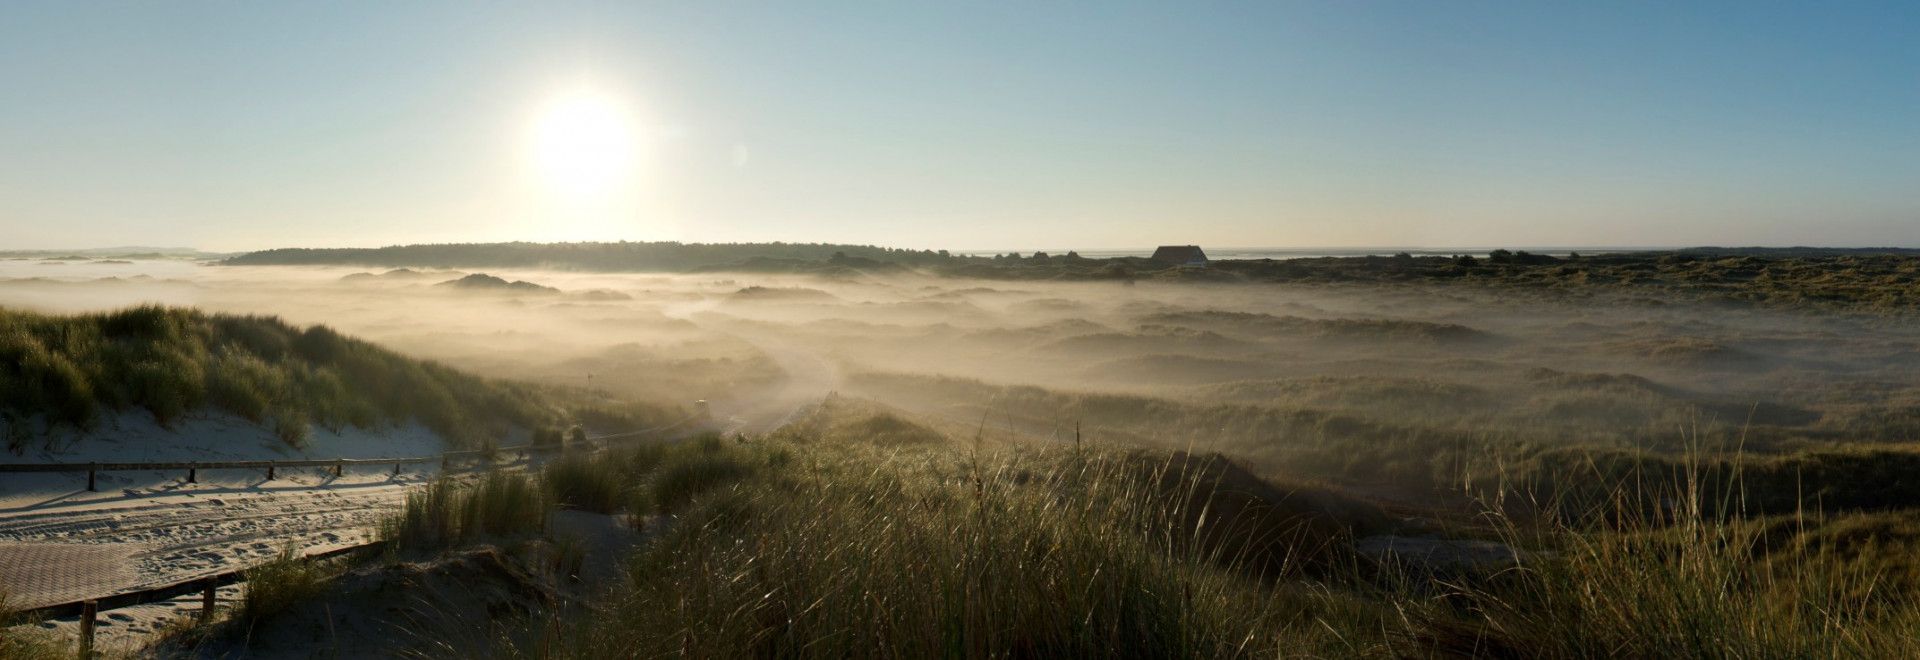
(41, 574)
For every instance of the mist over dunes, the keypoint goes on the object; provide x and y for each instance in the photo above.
(959, 330)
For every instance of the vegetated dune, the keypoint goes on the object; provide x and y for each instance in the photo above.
(1148, 339)
(1377, 394)
(977, 292)
(1026, 336)
(601, 295)
(1688, 352)
(929, 545)
(1333, 329)
(68, 371)
(847, 420)
(781, 294)
(357, 611)
(1047, 306)
(403, 275)
(1177, 369)
(1231, 440)
(485, 282)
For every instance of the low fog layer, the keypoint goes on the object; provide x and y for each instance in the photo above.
(1260, 371)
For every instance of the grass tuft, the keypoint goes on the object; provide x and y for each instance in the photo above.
(447, 513)
(280, 585)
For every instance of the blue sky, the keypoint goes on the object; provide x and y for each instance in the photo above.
(968, 126)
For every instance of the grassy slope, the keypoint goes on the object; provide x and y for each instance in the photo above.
(818, 543)
(68, 371)
(857, 533)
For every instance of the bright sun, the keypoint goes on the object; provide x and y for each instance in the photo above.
(584, 145)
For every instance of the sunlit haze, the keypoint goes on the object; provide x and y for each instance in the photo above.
(231, 126)
(860, 329)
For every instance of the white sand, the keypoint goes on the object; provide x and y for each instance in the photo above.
(153, 528)
(135, 437)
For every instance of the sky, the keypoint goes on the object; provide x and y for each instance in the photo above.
(979, 125)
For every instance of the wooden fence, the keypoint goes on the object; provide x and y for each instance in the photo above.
(88, 609)
(193, 468)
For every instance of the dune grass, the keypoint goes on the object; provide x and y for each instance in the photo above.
(814, 545)
(280, 585)
(809, 547)
(1694, 576)
(68, 371)
(22, 643)
(447, 513)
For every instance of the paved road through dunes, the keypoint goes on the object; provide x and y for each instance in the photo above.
(66, 550)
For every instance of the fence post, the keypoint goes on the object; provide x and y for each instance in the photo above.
(91, 468)
(396, 469)
(270, 470)
(193, 473)
(89, 609)
(336, 468)
(206, 601)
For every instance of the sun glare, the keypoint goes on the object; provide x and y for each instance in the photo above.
(584, 145)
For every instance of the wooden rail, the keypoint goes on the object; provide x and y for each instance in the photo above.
(193, 468)
(88, 609)
(204, 583)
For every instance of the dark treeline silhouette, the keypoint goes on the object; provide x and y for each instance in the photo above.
(621, 256)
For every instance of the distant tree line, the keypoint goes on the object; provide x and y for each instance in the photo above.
(620, 256)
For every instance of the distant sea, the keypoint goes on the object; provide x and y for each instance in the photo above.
(1311, 253)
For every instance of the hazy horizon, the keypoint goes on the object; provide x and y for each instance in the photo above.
(233, 127)
(1214, 251)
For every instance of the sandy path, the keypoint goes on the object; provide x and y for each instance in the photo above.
(64, 551)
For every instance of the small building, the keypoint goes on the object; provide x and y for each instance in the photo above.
(1181, 255)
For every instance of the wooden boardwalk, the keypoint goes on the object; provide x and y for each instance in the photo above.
(40, 574)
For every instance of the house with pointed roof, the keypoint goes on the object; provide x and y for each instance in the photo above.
(1181, 255)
